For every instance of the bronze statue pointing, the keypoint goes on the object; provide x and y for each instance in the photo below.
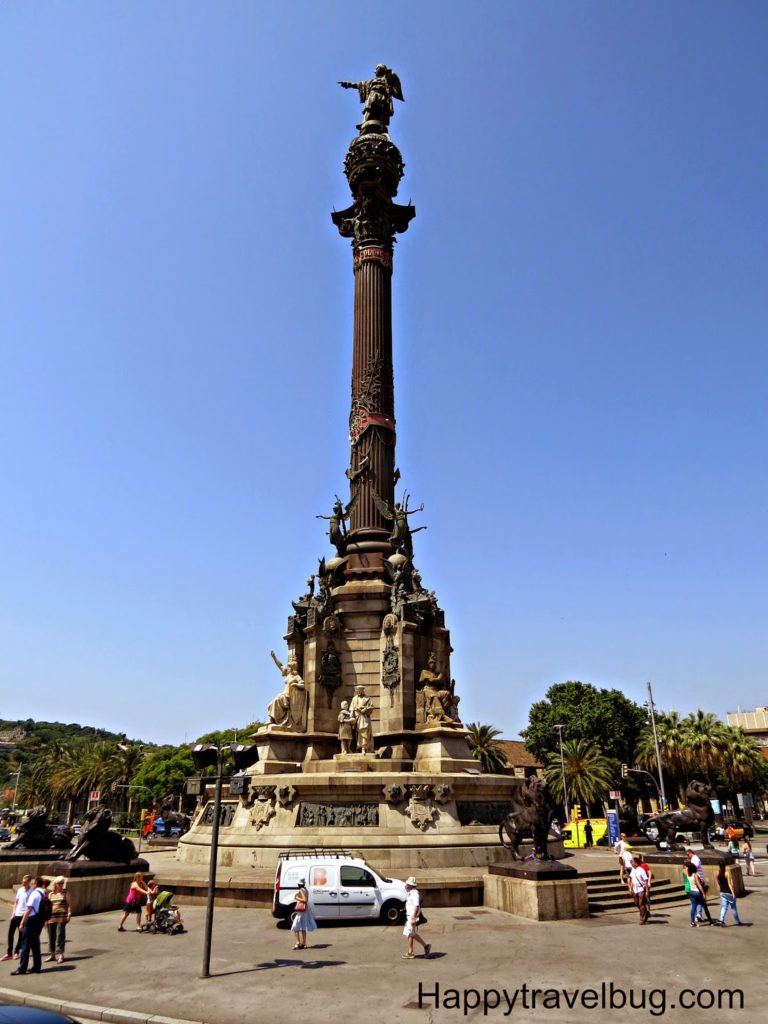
(376, 95)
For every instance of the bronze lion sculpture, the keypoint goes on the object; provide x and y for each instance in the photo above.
(36, 834)
(96, 842)
(696, 816)
(530, 818)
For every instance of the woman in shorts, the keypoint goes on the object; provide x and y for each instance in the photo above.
(135, 899)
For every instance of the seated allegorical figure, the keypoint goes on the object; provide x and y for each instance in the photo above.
(288, 710)
(438, 702)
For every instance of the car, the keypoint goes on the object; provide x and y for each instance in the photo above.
(340, 886)
(741, 829)
(5, 834)
(11, 1013)
(158, 828)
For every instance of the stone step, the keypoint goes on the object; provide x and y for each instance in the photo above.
(605, 894)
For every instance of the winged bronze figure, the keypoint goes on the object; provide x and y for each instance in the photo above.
(337, 523)
(401, 536)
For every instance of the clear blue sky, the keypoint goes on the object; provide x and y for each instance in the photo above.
(580, 345)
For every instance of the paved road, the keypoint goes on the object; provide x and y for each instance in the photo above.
(354, 973)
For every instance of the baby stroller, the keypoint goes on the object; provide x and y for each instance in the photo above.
(166, 917)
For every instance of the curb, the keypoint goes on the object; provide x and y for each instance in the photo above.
(88, 1010)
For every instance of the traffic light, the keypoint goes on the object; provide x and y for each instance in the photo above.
(624, 770)
(576, 812)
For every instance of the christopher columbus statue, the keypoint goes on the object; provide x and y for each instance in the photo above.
(376, 96)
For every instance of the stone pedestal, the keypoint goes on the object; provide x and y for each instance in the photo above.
(538, 890)
(95, 885)
(356, 763)
(15, 863)
(282, 751)
(442, 749)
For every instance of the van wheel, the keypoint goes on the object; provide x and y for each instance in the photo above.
(393, 912)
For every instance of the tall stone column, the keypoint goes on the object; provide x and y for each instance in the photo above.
(373, 167)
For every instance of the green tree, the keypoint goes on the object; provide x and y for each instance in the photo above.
(484, 743)
(604, 717)
(589, 774)
(165, 771)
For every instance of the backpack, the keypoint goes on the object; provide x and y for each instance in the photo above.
(45, 909)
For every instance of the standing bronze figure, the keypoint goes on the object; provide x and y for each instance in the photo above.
(376, 95)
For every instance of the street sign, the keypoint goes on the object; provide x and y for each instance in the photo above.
(95, 796)
(613, 827)
(615, 794)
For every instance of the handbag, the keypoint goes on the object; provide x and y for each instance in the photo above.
(301, 906)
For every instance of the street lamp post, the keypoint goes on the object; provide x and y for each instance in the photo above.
(211, 755)
(559, 727)
(651, 710)
(16, 789)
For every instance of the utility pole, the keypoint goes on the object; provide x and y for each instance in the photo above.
(16, 789)
(652, 712)
(559, 729)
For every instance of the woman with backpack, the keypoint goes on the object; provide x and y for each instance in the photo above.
(61, 913)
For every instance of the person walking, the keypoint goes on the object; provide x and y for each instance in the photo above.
(61, 913)
(412, 915)
(18, 912)
(134, 901)
(588, 831)
(637, 885)
(696, 894)
(748, 855)
(647, 869)
(620, 847)
(727, 895)
(303, 920)
(30, 928)
(697, 862)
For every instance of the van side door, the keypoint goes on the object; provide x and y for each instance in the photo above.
(359, 894)
(322, 885)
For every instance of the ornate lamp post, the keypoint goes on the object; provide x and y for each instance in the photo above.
(211, 755)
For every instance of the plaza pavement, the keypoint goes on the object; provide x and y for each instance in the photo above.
(355, 972)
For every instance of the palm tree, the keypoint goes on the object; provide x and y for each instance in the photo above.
(484, 744)
(90, 767)
(672, 750)
(705, 744)
(124, 765)
(741, 759)
(589, 774)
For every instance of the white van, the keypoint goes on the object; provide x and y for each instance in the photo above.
(340, 887)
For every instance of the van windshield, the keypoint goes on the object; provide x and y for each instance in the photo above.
(381, 878)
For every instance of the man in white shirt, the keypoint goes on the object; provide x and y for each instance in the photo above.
(30, 928)
(18, 913)
(637, 885)
(412, 915)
